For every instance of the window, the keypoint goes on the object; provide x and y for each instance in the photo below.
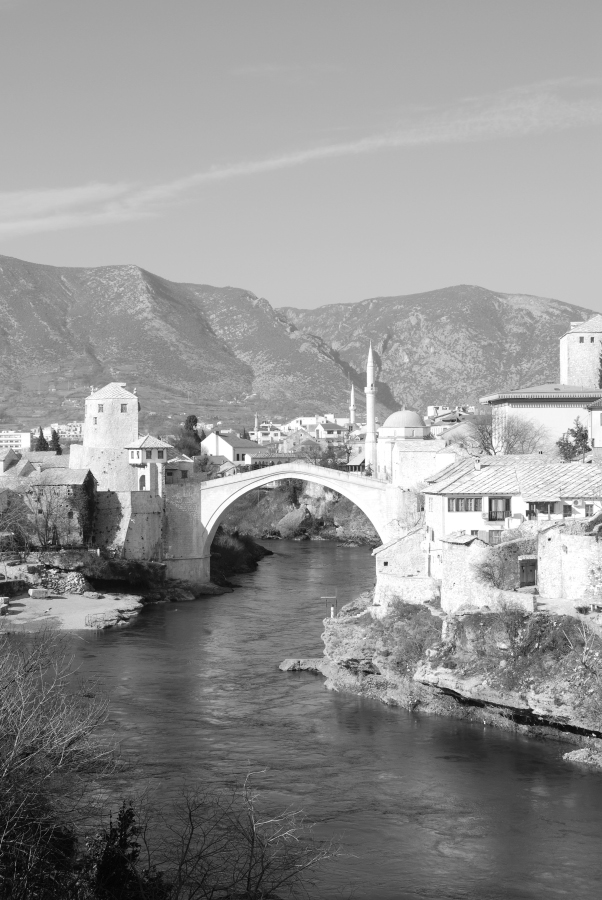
(124, 407)
(101, 407)
(495, 537)
(581, 340)
(70, 514)
(160, 454)
(184, 473)
(131, 454)
(386, 563)
(95, 420)
(138, 454)
(474, 533)
(149, 454)
(567, 510)
(589, 509)
(430, 504)
(499, 508)
(591, 340)
(464, 504)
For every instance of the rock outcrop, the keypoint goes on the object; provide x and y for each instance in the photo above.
(533, 672)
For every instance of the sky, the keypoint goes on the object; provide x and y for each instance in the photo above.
(312, 152)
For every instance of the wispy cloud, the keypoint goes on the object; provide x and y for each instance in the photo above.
(553, 106)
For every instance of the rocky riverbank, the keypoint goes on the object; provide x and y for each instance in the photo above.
(299, 510)
(539, 673)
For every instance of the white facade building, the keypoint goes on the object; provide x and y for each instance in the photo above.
(15, 440)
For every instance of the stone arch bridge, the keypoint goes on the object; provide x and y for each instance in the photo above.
(193, 511)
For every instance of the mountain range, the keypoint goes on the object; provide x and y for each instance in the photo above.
(224, 353)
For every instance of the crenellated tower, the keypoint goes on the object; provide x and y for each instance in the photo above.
(370, 391)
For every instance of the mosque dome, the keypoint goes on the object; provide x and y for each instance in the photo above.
(404, 418)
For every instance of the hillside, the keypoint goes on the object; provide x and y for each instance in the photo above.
(449, 345)
(224, 353)
(218, 352)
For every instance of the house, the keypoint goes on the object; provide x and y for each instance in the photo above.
(232, 447)
(331, 432)
(482, 497)
(297, 439)
(148, 456)
(178, 468)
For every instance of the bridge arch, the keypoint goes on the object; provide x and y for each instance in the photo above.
(194, 511)
(362, 495)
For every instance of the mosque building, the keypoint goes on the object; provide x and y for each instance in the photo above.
(402, 451)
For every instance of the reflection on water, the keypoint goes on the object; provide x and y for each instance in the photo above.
(427, 807)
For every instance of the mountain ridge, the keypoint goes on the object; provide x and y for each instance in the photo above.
(224, 353)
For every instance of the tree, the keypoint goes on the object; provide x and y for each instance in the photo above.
(41, 442)
(483, 435)
(55, 443)
(51, 515)
(575, 443)
(600, 370)
(48, 753)
(189, 440)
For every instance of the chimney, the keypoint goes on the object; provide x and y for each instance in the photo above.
(477, 465)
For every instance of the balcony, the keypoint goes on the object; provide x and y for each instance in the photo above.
(497, 515)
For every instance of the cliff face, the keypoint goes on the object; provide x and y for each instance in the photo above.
(537, 673)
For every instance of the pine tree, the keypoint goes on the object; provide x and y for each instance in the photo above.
(41, 442)
(55, 443)
(575, 443)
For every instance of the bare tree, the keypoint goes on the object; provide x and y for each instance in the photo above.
(219, 845)
(510, 435)
(51, 517)
(48, 749)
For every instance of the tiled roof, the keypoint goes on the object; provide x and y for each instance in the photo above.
(237, 442)
(459, 537)
(592, 325)
(113, 391)
(4, 453)
(544, 392)
(38, 456)
(148, 442)
(60, 476)
(534, 478)
(596, 405)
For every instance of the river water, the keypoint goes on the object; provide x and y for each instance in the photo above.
(426, 807)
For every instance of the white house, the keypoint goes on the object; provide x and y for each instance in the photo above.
(232, 447)
(482, 497)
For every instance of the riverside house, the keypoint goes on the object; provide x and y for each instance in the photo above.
(482, 497)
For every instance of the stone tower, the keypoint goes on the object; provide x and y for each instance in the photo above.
(352, 408)
(580, 350)
(370, 391)
(111, 418)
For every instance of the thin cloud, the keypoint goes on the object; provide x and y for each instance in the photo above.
(541, 108)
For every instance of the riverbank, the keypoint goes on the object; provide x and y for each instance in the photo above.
(537, 674)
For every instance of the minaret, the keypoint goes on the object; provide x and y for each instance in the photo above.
(352, 409)
(256, 423)
(370, 391)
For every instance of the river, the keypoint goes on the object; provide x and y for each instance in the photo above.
(426, 807)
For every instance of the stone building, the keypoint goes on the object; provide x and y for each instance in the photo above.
(406, 453)
(555, 406)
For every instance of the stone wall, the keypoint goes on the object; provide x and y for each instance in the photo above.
(569, 565)
(478, 575)
(579, 362)
(110, 467)
(186, 551)
(131, 522)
